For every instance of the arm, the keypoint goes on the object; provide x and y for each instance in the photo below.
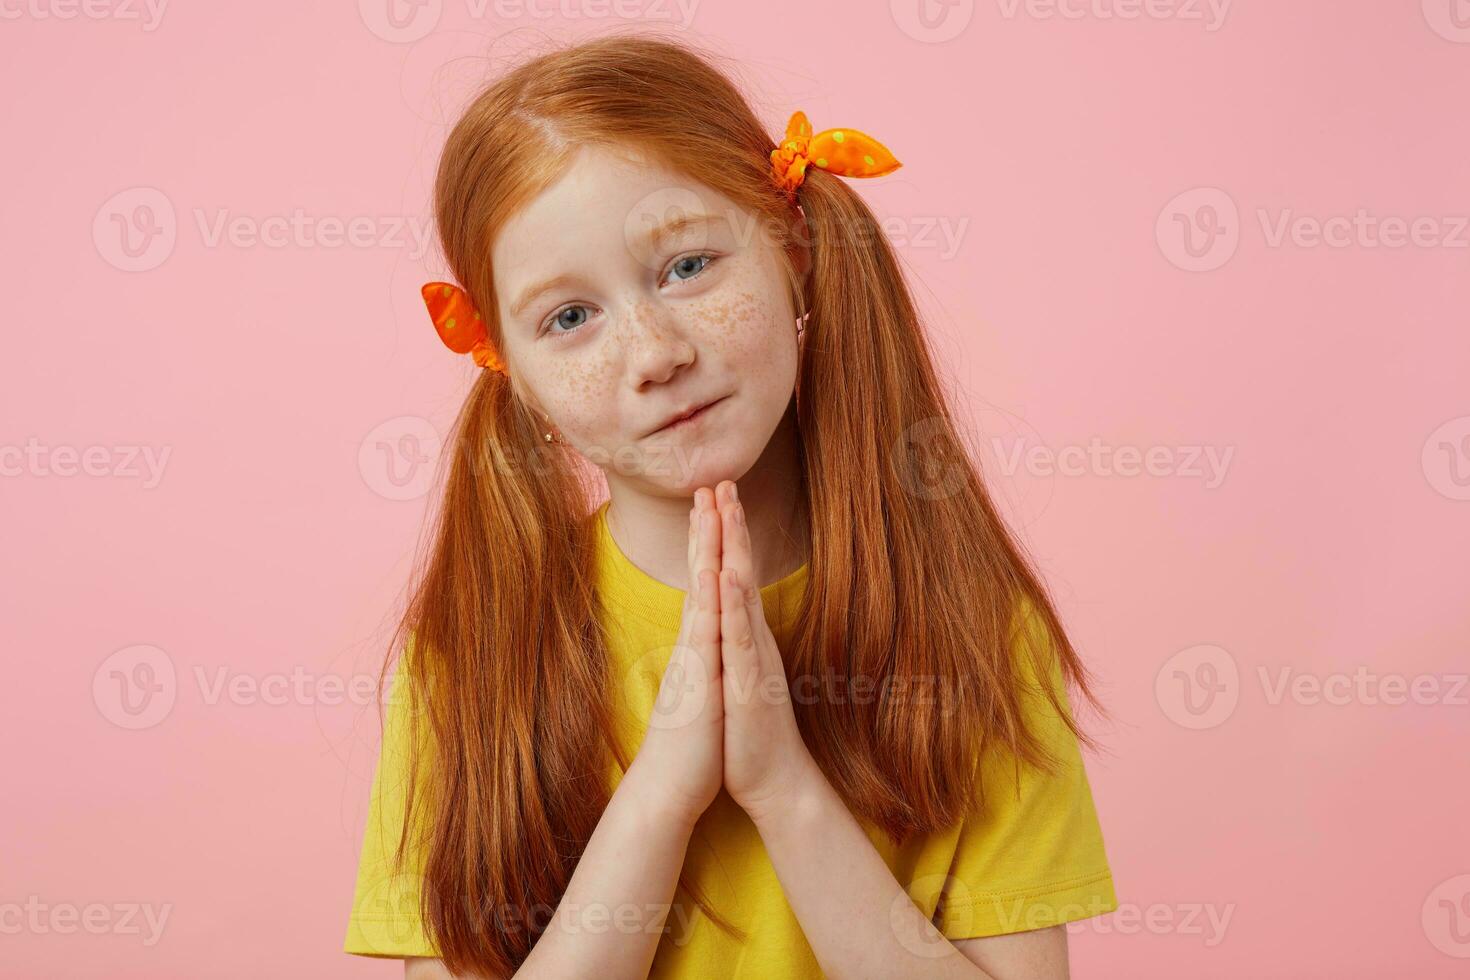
(859, 920)
(611, 918)
(1039, 953)
(819, 852)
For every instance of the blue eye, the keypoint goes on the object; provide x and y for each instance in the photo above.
(557, 318)
(682, 263)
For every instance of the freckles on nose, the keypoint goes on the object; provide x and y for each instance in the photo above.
(642, 319)
(647, 327)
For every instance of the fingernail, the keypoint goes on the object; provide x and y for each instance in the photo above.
(740, 514)
(734, 493)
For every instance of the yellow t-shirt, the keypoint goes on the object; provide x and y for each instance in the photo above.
(1033, 858)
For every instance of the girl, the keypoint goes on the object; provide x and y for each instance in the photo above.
(827, 731)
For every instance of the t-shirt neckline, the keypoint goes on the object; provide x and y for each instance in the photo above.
(662, 604)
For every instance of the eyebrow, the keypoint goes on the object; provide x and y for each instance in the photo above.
(654, 236)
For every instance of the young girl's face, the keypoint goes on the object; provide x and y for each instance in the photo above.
(629, 294)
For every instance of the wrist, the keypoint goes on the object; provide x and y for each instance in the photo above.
(639, 793)
(800, 801)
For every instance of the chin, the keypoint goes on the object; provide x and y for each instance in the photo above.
(685, 466)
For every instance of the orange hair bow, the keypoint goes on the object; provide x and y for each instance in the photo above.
(459, 324)
(847, 152)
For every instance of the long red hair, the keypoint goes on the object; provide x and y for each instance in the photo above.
(911, 579)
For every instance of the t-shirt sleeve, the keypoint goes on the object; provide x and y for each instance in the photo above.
(1033, 855)
(385, 917)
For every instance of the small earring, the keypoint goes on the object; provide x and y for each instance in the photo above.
(548, 435)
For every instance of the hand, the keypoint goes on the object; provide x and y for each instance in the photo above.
(680, 760)
(765, 759)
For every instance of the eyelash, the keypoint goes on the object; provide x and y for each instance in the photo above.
(551, 320)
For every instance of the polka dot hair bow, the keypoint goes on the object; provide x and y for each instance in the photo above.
(459, 324)
(847, 152)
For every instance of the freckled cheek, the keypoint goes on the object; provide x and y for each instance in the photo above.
(741, 327)
(580, 395)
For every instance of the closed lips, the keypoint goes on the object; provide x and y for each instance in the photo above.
(688, 414)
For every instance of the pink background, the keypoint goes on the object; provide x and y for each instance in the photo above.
(1310, 833)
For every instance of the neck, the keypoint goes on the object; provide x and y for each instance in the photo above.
(653, 530)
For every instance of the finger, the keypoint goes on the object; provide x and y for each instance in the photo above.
(739, 655)
(705, 638)
(738, 553)
(735, 551)
(708, 550)
(691, 594)
(691, 690)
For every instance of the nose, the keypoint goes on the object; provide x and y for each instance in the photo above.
(653, 343)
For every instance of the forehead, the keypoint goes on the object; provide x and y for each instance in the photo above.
(605, 203)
